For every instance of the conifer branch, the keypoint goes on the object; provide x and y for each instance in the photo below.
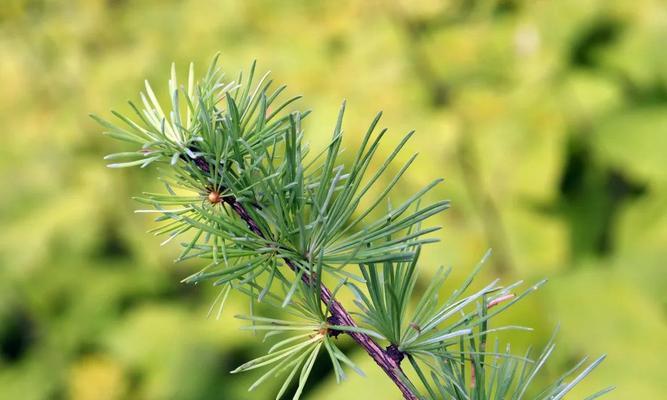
(245, 193)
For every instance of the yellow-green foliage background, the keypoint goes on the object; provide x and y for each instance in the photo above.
(548, 119)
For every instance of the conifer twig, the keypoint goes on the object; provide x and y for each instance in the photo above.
(253, 203)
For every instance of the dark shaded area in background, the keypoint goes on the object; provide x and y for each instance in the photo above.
(17, 334)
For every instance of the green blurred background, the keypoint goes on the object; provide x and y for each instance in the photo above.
(548, 120)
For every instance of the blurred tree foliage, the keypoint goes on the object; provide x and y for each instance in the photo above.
(547, 118)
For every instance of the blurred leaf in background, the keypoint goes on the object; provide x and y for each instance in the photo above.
(547, 118)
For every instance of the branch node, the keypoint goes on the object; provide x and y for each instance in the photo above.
(395, 354)
(334, 320)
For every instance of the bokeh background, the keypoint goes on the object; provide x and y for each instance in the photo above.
(548, 120)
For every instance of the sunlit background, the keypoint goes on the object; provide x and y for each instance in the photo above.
(547, 118)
